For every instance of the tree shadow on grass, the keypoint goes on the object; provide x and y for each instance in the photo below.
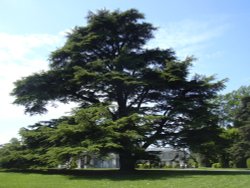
(116, 175)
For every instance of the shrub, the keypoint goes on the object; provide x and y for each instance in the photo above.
(143, 166)
(192, 163)
(168, 166)
(176, 165)
(232, 164)
(216, 165)
(72, 163)
(248, 162)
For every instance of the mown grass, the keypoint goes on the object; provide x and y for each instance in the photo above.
(116, 179)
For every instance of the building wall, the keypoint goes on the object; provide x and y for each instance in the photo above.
(111, 161)
(167, 156)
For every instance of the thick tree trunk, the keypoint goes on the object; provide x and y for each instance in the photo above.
(127, 162)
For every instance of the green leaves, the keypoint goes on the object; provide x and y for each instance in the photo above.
(230, 105)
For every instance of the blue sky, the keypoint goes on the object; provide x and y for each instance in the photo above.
(216, 32)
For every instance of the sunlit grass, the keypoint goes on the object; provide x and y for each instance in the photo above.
(116, 179)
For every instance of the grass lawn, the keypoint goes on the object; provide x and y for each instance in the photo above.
(116, 179)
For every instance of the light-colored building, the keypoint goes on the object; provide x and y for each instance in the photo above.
(167, 157)
(171, 157)
(109, 161)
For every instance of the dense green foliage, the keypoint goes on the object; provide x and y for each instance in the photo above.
(230, 104)
(248, 163)
(13, 154)
(129, 97)
(234, 146)
(241, 147)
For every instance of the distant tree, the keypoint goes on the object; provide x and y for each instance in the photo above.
(241, 147)
(229, 105)
(234, 113)
(148, 95)
(215, 150)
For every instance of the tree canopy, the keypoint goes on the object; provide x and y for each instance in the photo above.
(129, 97)
(233, 111)
(241, 146)
(230, 105)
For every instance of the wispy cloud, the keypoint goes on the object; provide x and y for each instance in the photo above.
(189, 37)
(18, 47)
(22, 54)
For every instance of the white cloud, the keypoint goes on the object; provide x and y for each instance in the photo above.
(17, 47)
(189, 37)
(20, 56)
